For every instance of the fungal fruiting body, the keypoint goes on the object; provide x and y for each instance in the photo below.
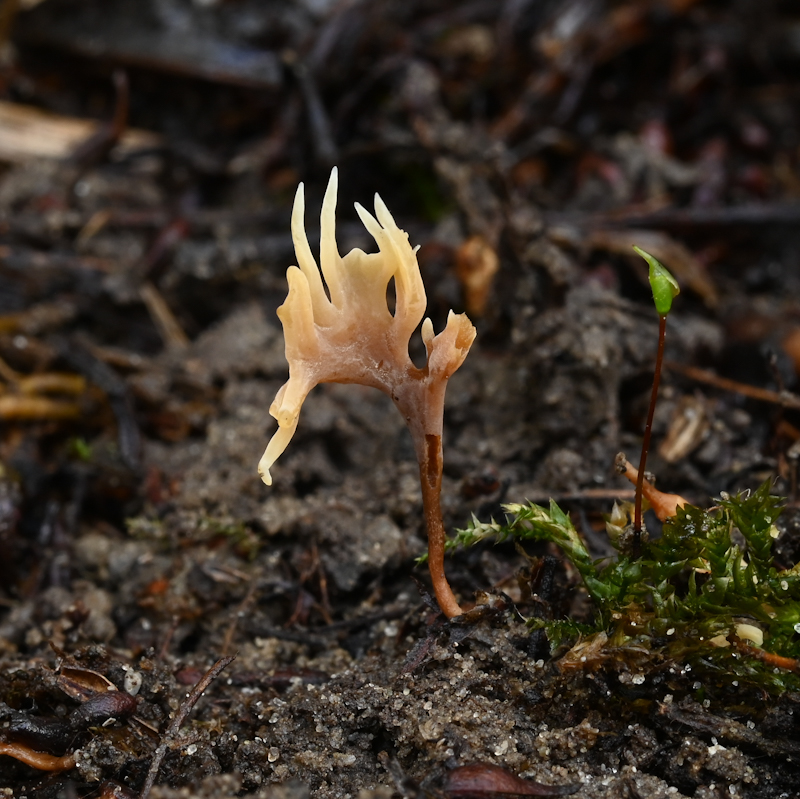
(349, 335)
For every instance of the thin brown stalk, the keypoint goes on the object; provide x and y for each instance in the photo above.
(183, 711)
(648, 429)
(430, 471)
(783, 398)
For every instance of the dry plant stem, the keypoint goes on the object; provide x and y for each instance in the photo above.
(776, 661)
(39, 760)
(783, 398)
(175, 726)
(166, 322)
(648, 429)
(22, 407)
(430, 478)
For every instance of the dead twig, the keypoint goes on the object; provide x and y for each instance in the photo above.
(22, 407)
(586, 495)
(690, 715)
(783, 398)
(24, 402)
(165, 321)
(774, 213)
(770, 658)
(28, 132)
(325, 148)
(183, 711)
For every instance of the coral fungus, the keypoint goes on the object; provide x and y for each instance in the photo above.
(349, 335)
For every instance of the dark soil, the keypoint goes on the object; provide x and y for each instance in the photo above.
(138, 545)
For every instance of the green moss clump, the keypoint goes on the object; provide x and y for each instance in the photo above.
(701, 580)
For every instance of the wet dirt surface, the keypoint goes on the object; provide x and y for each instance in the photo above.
(138, 545)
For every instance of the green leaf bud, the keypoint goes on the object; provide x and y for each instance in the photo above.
(665, 287)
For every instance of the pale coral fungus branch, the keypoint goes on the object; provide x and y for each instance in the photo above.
(349, 335)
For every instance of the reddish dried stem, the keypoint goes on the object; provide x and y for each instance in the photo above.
(771, 659)
(648, 429)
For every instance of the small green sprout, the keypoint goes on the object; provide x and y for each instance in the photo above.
(80, 448)
(665, 287)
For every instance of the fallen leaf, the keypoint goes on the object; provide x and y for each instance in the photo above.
(487, 781)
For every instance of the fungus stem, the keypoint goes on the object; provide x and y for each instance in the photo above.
(430, 473)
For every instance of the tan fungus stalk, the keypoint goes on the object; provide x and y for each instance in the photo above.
(349, 335)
